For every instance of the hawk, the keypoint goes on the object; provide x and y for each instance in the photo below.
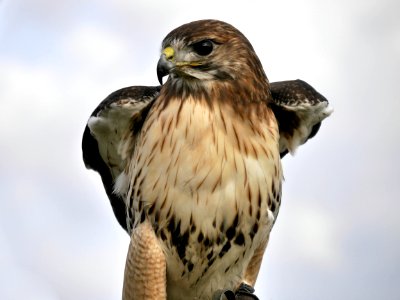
(192, 168)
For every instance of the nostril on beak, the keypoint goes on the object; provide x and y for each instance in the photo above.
(169, 53)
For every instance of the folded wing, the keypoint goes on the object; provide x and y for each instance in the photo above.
(299, 110)
(118, 116)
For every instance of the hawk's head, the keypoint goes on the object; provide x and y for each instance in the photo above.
(206, 52)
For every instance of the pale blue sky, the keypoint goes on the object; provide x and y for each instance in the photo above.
(338, 232)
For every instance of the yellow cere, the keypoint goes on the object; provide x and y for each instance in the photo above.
(168, 52)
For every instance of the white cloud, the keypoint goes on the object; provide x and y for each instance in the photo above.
(308, 234)
(94, 46)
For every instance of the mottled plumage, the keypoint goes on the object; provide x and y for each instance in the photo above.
(192, 168)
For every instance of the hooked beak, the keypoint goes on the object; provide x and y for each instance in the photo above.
(168, 64)
(163, 68)
(165, 63)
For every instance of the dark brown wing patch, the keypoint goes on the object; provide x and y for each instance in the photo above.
(299, 110)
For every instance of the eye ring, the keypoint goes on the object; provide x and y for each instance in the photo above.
(204, 47)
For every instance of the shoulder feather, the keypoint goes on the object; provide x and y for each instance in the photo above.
(122, 112)
(299, 110)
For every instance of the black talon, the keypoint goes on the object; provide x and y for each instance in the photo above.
(224, 295)
(245, 292)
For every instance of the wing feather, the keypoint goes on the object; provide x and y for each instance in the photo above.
(120, 113)
(298, 107)
(299, 110)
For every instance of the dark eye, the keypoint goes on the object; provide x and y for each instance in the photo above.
(203, 48)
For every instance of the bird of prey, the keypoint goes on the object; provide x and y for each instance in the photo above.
(193, 167)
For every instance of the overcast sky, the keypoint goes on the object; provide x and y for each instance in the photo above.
(338, 232)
